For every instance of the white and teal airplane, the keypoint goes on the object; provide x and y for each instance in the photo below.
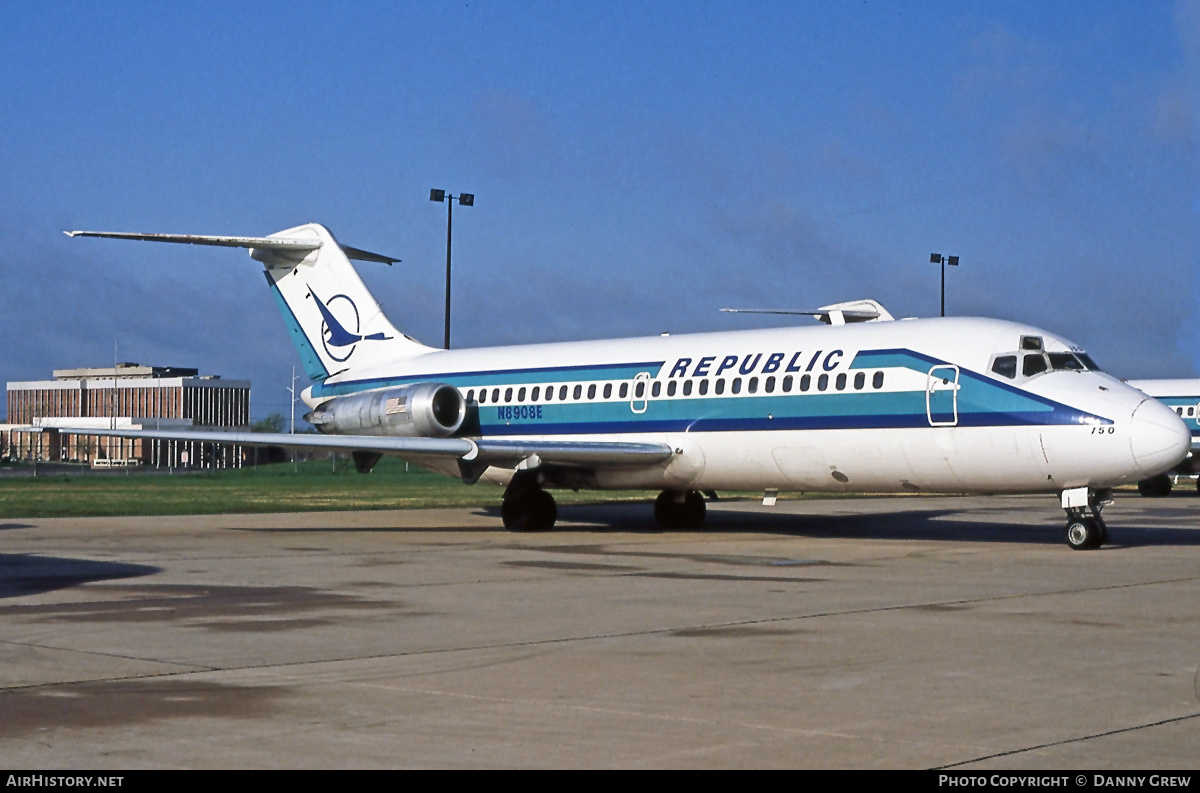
(1183, 397)
(862, 403)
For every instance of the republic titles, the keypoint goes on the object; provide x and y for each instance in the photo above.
(758, 363)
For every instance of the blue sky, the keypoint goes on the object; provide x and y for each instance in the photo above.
(636, 166)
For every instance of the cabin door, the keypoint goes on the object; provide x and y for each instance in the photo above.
(641, 385)
(941, 396)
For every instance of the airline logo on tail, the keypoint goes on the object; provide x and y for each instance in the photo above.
(340, 342)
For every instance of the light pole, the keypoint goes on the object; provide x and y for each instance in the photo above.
(937, 258)
(467, 200)
(292, 390)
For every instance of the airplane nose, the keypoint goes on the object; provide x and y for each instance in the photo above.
(1158, 438)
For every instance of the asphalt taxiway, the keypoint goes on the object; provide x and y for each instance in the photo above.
(919, 632)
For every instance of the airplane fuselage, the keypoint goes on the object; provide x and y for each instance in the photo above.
(912, 406)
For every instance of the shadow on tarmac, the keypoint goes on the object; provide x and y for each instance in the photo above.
(29, 574)
(909, 524)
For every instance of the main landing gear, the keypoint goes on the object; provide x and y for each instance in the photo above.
(1085, 528)
(677, 509)
(526, 506)
(1155, 486)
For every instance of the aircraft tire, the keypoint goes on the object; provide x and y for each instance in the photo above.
(531, 510)
(694, 510)
(670, 514)
(1084, 534)
(1155, 486)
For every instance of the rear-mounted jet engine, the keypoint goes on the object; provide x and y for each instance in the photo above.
(424, 410)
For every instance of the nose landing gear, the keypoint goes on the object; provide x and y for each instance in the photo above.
(1086, 530)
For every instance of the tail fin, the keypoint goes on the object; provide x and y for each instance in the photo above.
(334, 321)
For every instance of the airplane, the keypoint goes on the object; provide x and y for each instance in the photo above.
(1182, 396)
(859, 403)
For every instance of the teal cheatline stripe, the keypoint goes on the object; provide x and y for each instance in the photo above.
(893, 359)
(978, 394)
(308, 356)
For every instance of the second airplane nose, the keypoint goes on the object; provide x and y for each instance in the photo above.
(1158, 438)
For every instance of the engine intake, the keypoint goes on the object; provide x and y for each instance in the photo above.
(423, 410)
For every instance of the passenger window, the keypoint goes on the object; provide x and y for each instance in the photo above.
(639, 389)
(703, 387)
(470, 394)
(495, 394)
(805, 382)
(687, 387)
(592, 391)
(737, 385)
(671, 386)
(823, 382)
(578, 392)
(521, 394)
(877, 380)
(508, 394)
(1033, 364)
(841, 382)
(787, 384)
(656, 389)
(537, 392)
(1005, 366)
(752, 386)
(562, 393)
(720, 389)
(860, 380)
(607, 390)
(624, 390)
(770, 385)
(549, 393)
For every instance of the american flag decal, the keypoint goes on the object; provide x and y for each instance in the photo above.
(394, 405)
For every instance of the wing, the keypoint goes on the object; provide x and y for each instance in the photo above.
(473, 455)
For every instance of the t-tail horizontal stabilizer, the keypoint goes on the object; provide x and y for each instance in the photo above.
(289, 249)
(333, 320)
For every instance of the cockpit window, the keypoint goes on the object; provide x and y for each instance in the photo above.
(1035, 360)
(1005, 366)
(1065, 361)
